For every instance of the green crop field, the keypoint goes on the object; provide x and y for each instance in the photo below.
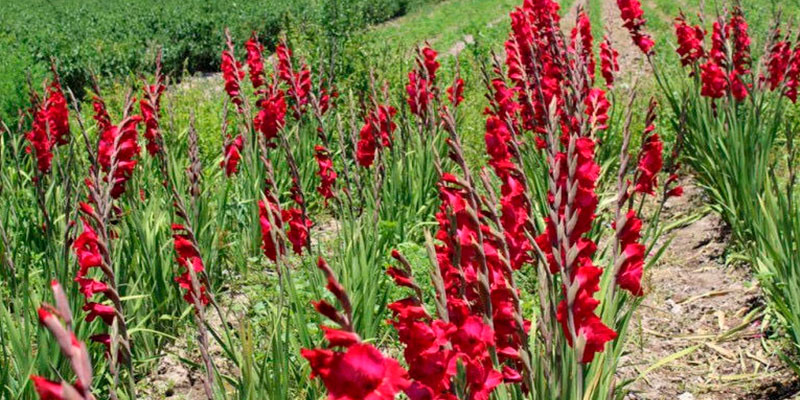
(399, 199)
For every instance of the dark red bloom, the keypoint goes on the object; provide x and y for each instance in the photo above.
(298, 228)
(50, 127)
(583, 42)
(714, 79)
(232, 74)
(778, 62)
(271, 117)
(325, 171)
(269, 219)
(377, 131)
(232, 155)
(118, 150)
(629, 276)
(419, 94)
(455, 93)
(104, 312)
(151, 115)
(49, 390)
(429, 62)
(633, 20)
(40, 143)
(650, 162)
(255, 61)
(55, 107)
(188, 257)
(87, 250)
(284, 55)
(690, 41)
(608, 61)
(360, 372)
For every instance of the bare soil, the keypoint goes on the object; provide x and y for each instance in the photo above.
(711, 311)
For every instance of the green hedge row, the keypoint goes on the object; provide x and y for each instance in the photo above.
(115, 38)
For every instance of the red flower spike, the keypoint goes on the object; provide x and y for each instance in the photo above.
(255, 61)
(325, 171)
(150, 115)
(119, 144)
(609, 65)
(232, 74)
(633, 20)
(298, 228)
(714, 79)
(582, 32)
(378, 126)
(232, 155)
(104, 312)
(268, 221)
(455, 93)
(359, 373)
(271, 117)
(650, 162)
(188, 257)
(690, 41)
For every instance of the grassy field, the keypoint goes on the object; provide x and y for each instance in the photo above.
(446, 188)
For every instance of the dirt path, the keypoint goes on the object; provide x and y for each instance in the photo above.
(710, 311)
(632, 63)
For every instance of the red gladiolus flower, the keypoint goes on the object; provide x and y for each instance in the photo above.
(360, 372)
(690, 41)
(119, 145)
(300, 89)
(87, 250)
(325, 172)
(188, 257)
(650, 162)
(50, 127)
(298, 228)
(629, 276)
(429, 62)
(40, 143)
(90, 287)
(49, 390)
(232, 74)
(608, 61)
(677, 191)
(55, 107)
(232, 151)
(284, 55)
(717, 53)
(419, 94)
(455, 93)
(378, 126)
(630, 273)
(597, 107)
(255, 61)
(268, 221)
(778, 61)
(793, 75)
(271, 117)
(95, 310)
(715, 81)
(736, 30)
(633, 20)
(150, 115)
(583, 32)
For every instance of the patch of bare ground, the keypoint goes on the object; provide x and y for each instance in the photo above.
(712, 311)
(174, 378)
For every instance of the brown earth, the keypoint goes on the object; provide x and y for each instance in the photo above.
(710, 312)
